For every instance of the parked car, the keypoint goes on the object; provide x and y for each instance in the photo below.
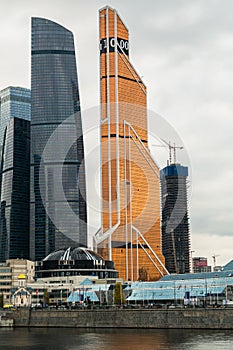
(36, 306)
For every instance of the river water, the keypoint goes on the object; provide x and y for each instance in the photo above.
(112, 339)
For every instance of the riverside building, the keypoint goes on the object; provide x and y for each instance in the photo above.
(58, 186)
(130, 233)
(196, 289)
(10, 271)
(26, 283)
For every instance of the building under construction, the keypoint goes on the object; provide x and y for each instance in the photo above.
(175, 221)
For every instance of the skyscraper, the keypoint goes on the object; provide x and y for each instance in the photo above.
(15, 173)
(130, 234)
(175, 221)
(14, 102)
(58, 188)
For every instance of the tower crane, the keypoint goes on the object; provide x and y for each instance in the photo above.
(172, 148)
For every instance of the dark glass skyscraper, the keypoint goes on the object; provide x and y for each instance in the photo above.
(175, 222)
(14, 102)
(58, 188)
(15, 116)
(15, 190)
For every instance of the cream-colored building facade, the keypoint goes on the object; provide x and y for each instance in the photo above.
(9, 276)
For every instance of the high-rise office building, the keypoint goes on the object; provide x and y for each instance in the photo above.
(15, 190)
(58, 188)
(15, 115)
(175, 221)
(14, 102)
(130, 234)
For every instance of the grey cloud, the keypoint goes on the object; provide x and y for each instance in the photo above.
(183, 49)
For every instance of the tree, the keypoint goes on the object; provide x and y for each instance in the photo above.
(118, 294)
(1, 300)
(46, 297)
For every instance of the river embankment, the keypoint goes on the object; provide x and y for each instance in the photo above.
(209, 318)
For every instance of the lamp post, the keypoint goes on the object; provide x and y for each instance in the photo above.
(191, 254)
(174, 293)
(37, 297)
(206, 289)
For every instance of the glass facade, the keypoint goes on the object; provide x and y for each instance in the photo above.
(130, 233)
(56, 120)
(14, 102)
(175, 220)
(15, 190)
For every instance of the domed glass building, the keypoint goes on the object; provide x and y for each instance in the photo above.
(75, 261)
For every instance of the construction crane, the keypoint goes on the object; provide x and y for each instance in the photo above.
(172, 148)
(214, 256)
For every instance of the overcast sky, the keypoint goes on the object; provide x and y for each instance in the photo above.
(184, 51)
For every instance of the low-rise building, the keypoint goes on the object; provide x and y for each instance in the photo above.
(9, 276)
(200, 264)
(202, 289)
(25, 283)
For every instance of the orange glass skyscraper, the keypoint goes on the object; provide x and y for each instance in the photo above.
(130, 233)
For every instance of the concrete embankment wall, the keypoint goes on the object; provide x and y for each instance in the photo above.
(124, 318)
(5, 320)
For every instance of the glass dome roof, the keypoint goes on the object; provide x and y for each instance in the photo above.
(73, 253)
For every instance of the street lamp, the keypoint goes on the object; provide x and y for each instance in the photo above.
(191, 254)
(174, 293)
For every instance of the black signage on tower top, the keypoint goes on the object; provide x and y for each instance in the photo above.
(122, 45)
